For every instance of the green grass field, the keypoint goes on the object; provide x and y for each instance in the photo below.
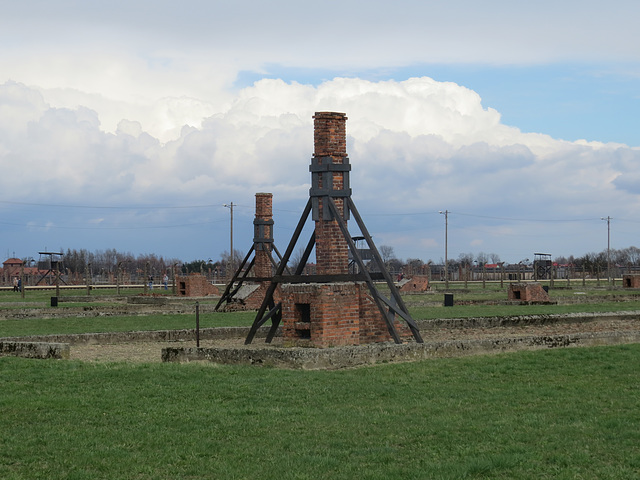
(567, 414)
(121, 323)
(422, 307)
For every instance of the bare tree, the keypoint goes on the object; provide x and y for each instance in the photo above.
(481, 258)
(225, 258)
(296, 258)
(414, 266)
(394, 265)
(386, 252)
(633, 255)
(465, 258)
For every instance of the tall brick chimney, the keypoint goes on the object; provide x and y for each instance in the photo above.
(263, 234)
(330, 177)
(336, 309)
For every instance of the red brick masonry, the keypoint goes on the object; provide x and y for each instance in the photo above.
(264, 213)
(333, 314)
(631, 281)
(330, 140)
(195, 285)
(262, 267)
(417, 283)
(527, 292)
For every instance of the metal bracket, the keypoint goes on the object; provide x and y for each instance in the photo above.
(322, 171)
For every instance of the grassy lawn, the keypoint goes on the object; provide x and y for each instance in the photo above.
(465, 311)
(36, 296)
(421, 306)
(121, 323)
(567, 414)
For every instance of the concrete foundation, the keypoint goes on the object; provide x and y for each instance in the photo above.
(58, 346)
(354, 356)
(34, 349)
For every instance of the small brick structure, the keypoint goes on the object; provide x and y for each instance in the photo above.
(631, 281)
(195, 285)
(528, 292)
(337, 313)
(417, 283)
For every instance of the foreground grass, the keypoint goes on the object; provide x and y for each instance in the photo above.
(571, 413)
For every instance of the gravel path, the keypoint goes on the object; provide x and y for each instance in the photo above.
(151, 351)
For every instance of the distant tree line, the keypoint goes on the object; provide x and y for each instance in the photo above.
(592, 263)
(110, 262)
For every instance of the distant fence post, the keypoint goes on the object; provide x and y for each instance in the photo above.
(198, 324)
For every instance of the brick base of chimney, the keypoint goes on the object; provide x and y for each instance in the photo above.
(333, 314)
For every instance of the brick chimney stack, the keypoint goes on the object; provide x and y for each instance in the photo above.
(263, 234)
(330, 177)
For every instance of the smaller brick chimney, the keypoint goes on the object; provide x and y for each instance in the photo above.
(263, 235)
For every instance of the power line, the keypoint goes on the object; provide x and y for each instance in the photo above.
(512, 219)
(138, 227)
(109, 207)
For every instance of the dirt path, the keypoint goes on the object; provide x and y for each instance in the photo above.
(151, 351)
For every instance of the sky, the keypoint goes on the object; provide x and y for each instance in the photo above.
(129, 125)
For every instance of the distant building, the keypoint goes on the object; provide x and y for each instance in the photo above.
(12, 268)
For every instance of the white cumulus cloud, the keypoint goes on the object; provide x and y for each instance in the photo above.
(416, 146)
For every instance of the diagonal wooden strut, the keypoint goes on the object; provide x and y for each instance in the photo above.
(268, 298)
(378, 259)
(227, 295)
(401, 308)
(228, 292)
(356, 255)
(389, 308)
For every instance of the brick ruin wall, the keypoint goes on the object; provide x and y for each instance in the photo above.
(631, 281)
(417, 283)
(527, 292)
(195, 285)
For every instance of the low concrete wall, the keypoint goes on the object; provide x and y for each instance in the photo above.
(523, 320)
(34, 349)
(89, 311)
(217, 333)
(346, 357)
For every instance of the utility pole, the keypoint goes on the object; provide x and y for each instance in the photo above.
(608, 219)
(446, 246)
